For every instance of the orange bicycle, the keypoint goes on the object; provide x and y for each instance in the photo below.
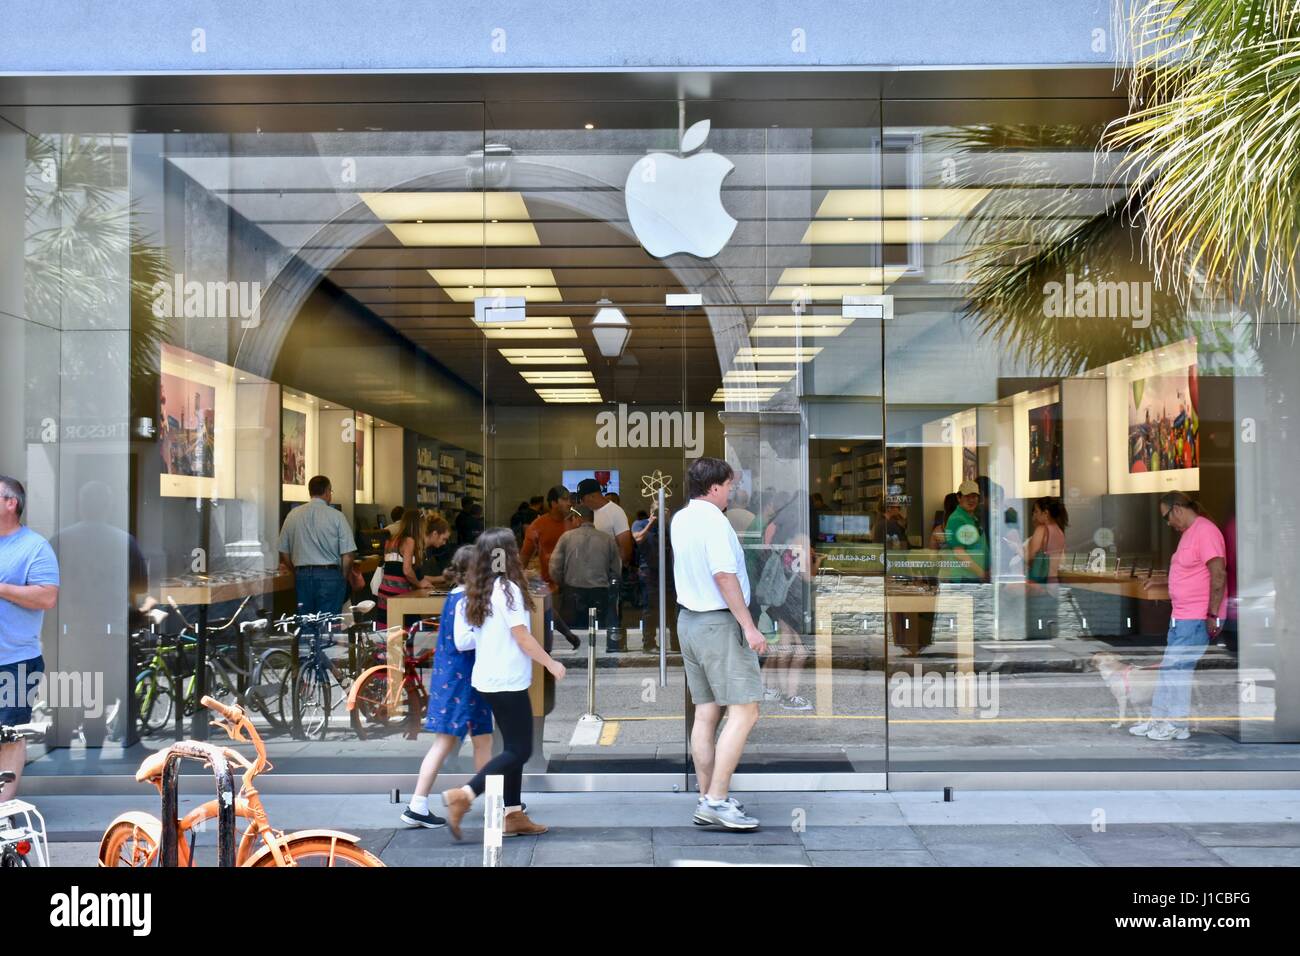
(135, 838)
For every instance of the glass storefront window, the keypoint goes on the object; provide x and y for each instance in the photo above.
(921, 334)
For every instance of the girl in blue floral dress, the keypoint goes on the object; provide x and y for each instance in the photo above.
(455, 708)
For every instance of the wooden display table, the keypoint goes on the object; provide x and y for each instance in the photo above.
(428, 602)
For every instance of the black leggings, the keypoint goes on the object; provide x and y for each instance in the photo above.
(513, 713)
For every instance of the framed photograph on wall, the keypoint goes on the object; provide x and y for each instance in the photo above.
(299, 424)
(1040, 443)
(1153, 421)
(195, 425)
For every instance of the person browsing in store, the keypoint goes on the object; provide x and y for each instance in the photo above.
(609, 516)
(540, 539)
(494, 617)
(582, 565)
(1198, 586)
(317, 545)
(965, 540)
(720, 642)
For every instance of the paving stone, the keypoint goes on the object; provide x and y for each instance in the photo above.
(1259, 855)
(1139, 844)
(593, 853)
(1002, 846)
(717, 836)
(860, 838)
(1245, 834)
(666, 855)
(871, 858)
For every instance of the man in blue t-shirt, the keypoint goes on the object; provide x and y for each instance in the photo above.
(29, 586)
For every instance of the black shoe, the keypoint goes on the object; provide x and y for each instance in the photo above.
(430, 821)
(573, 641)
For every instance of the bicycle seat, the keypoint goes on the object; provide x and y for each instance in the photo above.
(257, 625)
(151, 767)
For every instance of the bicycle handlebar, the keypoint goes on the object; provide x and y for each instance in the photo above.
(233, 713)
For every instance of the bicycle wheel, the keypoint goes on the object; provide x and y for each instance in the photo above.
(128, 844)
(154, 699)
(323, 851)
(311, 702)
(268, 685)
(373, 715)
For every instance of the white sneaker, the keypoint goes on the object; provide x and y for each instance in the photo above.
(1164, 730)
(701, 820)
(796, 703)
(1142, 729)
(771, 694)
(724, 815)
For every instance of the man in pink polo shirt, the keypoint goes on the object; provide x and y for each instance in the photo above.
(1198, 583)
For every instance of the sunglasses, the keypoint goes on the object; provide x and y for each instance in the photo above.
(1166, 515)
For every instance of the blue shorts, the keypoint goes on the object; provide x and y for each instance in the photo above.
(18, 684)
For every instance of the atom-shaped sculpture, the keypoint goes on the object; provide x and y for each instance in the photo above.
(650, 484)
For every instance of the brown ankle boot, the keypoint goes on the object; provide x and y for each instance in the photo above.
(458, 803)
(518, 824)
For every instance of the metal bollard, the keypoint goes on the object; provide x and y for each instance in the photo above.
(494, 806)
(591, 714)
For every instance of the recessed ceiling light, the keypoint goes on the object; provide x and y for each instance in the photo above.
(588, 125)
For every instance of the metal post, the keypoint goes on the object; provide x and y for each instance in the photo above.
(591, 716)
(493, 819)
(199, 723)
(663, 591)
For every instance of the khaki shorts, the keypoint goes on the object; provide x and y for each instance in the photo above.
(720, 667)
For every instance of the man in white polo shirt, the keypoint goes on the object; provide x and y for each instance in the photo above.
(720, 642)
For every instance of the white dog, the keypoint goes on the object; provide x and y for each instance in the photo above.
(1129, 685)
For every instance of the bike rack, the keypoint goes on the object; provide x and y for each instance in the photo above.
(216, 758)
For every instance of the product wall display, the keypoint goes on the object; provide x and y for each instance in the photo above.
(1153, 421)
(1039, 443)
(196, 411)
(299, 444)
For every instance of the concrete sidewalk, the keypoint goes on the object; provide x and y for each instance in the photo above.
(988, 828)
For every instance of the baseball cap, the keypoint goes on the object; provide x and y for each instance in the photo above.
(588, 486)
(968, 488)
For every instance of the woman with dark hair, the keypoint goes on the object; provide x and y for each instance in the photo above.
(455, 707)
(1043, 553)
(401, 570)
(493, 618)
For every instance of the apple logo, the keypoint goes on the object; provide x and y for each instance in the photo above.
(675, 204)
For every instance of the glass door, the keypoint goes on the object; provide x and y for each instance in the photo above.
(584, 389)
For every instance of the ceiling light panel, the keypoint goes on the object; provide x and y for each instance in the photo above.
(534, 328)
(447, 206)
(450, 234)
(544, 356)
(492, 277)
(559, 378)
(899, 203)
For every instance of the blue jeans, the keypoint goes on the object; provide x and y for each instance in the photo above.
(1173, 698)
(18, 684)
(319, 589)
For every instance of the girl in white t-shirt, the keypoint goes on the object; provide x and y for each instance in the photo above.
(494, 618)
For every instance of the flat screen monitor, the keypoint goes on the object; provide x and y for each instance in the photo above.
(608, 479)
(833, 524)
